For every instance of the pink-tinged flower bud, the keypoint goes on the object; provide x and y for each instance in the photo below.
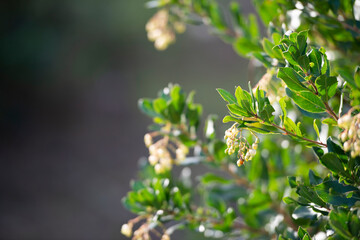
(240, 162)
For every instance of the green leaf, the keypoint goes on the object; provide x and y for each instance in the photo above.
(338, 221)
(267, 113)
(160, 105)
(267, 10)
(282, 103)
(177, 98)
(228, 97)
(253, 100)
(307, 101)
(146, 106)
(357, 76)
(303, 234)
(241, 94)
(276, 38)
(335, 148)
(253, 27)
(310, 195)
(243, 46)
(329, 121)
(292, 79)
(244, 100)
(292, 181)
(228, 118)
(262, 128)
(303, 215)
(314, 180)
(301, 41)
(290, 125)
(318, 151)
(260, 98)
(193, 113)
(212, 178)
(316, 129)
(332, 162)
(263, 58)
(238, 111)
(315, 58)
(288, 200)
(325, 69)
(304, 62)
(347, 76)
(326, 86)
(270, 50)
(337, 194)
(292, 54)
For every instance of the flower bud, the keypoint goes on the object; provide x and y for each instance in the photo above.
(344, 121)
(240, 162)
(343, 136)
(153, 160)
(152, 149)
(353, 154)
(254, 146)
(247, 156)
(180, 154)
(252, 152)
(347, 146)
(126, 230)
(351, 132)
(165, 237)
(160, 152)
(148, 140)
(159, 168)
(357, 147)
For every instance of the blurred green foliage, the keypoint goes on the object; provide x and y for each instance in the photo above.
(303, 180)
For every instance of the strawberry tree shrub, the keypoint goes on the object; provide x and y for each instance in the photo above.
(288, 166)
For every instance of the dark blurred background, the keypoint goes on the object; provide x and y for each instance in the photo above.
(71, 133)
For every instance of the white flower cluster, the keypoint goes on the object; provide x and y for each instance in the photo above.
(158, 30)
(161, 153)
(235, 141)
(142, 233)
(351, 134)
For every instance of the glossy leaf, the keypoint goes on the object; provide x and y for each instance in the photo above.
(307, 101)
(228, 97)
(315, 58)
(326, 86)
(292, 79)
(332, 162)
